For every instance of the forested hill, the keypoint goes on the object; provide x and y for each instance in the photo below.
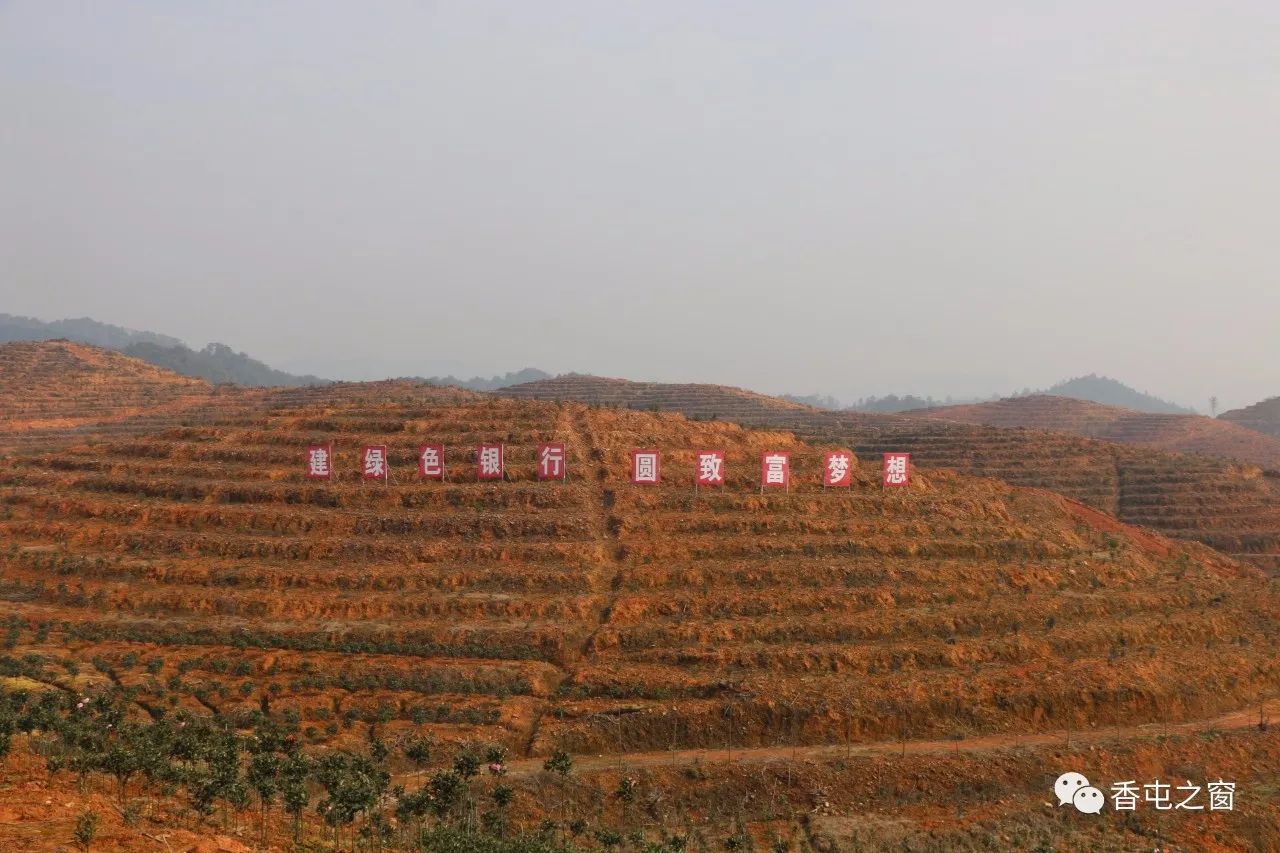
(217, 363)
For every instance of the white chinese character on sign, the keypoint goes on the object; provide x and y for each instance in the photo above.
(1125, 795)
(709, 467)
(490, 461)
(1222, 796)
(1195, 792)
(837, 467)
(1158, 793)
(895, 470)
(552, 460)
(775, 469)
(375, 462)
(646, 468)
(318, 462)
(430, 460)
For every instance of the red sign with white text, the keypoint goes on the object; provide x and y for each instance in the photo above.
(374, 461)
(775, 470)
(646, 467)
(897, 469)
(551, 462)
(431, 461)
(320, 461)
(710, 468)
(489, 462)
(837, 469)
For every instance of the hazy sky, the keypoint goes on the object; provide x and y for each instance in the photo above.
(853, 198)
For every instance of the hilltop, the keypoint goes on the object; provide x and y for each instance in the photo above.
(215, 363)
(490, 383)
(1261, 417)
(14, 328)
(1090, 389)
(195, 565)
(54, 388)
(1177, 433)
(1112, 392)
(1232, 507)
(218, 363)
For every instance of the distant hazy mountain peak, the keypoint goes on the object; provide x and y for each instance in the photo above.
(1112, 392)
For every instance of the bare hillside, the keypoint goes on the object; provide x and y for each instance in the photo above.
(1176, 433)
(1261, 417)
(1234, 507)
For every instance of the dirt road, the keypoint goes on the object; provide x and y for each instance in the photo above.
(1244, 718)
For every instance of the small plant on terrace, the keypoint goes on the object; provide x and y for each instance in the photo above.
(560, 763)
(86, 829)
(418, 750)
(466, 763)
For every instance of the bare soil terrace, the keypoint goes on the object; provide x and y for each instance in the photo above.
(1231, 506)
(1216, 437)
(183, 554)
(595, 615)
(1263, 417)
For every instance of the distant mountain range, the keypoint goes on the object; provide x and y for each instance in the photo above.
(219, 363)
(82, 330)
(1094, 388)
(887, 403)
(492, 383)
(216, 363)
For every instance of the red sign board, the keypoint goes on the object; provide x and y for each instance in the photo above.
(897, 469)
(431, 461)
(646, 466)
(489, 462)
(320, 461)
(775, 470)
(837, 469)
(551, 462)
(374, 461)
(710, 468)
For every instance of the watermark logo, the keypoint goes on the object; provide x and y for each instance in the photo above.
(1075, 789)
(1089, 800)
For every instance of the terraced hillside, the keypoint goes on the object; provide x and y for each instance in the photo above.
(1233, 507)
(1263, 417)
(1176, 433)
(542, 614)
(58, 393)
(57, 389)
(197, 567)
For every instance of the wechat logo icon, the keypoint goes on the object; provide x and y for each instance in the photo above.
(1075, 789)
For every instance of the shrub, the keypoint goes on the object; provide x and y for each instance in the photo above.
(560, 762)
(86, 829)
